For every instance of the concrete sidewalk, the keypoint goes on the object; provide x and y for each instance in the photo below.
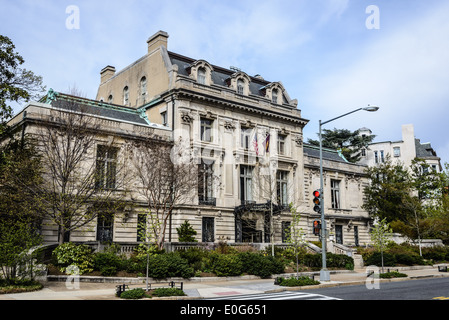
(199, 288)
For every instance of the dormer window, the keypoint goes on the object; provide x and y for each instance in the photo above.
(201, 71)
(239, 82)
(202, 76)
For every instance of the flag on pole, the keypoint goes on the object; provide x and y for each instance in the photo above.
(255, 144)
(267, 143)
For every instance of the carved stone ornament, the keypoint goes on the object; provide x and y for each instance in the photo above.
(298, 140)
(186, 117)
(228, 125)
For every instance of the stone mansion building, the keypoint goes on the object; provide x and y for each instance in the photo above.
(243, 129)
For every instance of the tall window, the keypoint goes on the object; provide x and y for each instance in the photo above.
(274, 96)
(206, 130)
(335, 194)
(246, 182)
(240, 86)
(281, 186)
(281, 144)
(106, 167)
(110, 98)
(202, 76)
(205, 183)
(245, 137)
(382, 158)
(125, 95)
(164, 118)
(143, 89)
(376, 157)
(208, 229)
(105, 228)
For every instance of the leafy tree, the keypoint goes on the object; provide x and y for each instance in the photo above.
(388, 188)
(411, 200)
(380, 236)
(350, 143)
(16, 84)
(295, 234)
(19, 206)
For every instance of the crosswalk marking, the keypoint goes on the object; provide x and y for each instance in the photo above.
(284, 295)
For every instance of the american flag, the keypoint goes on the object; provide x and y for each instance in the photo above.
(255, 143)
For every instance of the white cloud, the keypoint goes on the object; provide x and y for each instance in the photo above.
(405, 71)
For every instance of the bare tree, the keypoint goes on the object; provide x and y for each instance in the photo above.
(81, 177)
(166, 176)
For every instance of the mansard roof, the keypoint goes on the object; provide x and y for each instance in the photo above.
(220, 75)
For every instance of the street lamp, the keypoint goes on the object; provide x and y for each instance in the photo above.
(324, 273)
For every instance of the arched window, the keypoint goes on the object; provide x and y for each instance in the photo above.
(143, 89)
(201, 75)
(125, 95)
(110, 98)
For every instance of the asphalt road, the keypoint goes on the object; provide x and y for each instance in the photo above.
(425, 289)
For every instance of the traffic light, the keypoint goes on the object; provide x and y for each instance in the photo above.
(316, 201)
(316, 227)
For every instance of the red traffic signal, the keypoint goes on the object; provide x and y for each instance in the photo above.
(316, 201)
(316, 227)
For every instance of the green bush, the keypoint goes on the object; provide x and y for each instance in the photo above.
(168, 292)
(375, 259)
(108, 271)
(68, 254)
(296, 281)
(260, 265)
(339, 261)
(137, 293)
(392, 274)
(171, 264)
(102, 260)
(226, 265)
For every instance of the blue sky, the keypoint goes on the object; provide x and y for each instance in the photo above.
(321, 50)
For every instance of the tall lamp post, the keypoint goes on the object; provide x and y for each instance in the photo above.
(324, 273)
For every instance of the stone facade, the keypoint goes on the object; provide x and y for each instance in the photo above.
(246, 134)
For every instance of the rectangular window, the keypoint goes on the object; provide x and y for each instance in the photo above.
(205, 183)
(281, 144)
(376, 157)
(281, 186)
(106, 167)
(245, 138)
(202, 75)
(206, 130)
(382, 158)
(246, 181)
(397, 151)
(286, 231)
(164, 118)
(208, 230)
(339, 234)
(240, 86)
(335, 194)
(105, 228)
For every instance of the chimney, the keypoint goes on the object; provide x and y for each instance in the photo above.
(160, 38)
(107, 73)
